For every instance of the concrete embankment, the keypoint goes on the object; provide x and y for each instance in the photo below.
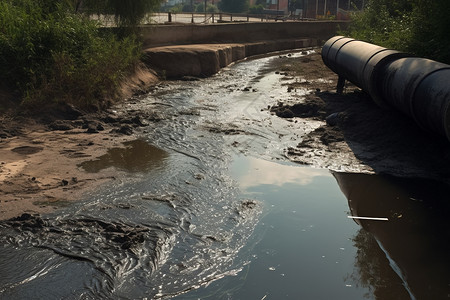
(237, 32)
(201, 50)
(203, 60)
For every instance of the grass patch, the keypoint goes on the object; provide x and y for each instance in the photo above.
(417, 27)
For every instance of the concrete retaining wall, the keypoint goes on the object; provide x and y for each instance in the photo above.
(237, 32)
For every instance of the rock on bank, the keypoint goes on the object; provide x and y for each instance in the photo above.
(202, 60)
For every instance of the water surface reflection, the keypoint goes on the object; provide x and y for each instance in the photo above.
(135, 157)
(415, 239)
(302, 247)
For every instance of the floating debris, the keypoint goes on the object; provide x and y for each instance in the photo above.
(368, 218)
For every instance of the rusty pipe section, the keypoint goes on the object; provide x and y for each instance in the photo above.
(418, 87)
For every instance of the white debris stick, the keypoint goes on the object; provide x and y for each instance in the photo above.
(368, 218)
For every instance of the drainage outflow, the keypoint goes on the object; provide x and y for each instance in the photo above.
(416, 86)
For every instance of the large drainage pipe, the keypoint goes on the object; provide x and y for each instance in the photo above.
(418, 87)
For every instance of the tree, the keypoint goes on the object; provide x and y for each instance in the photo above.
(91, 6)
(234, 6)
(256, 9)
(430, 23)
(132, 12)
(127, 13)
(415, 26)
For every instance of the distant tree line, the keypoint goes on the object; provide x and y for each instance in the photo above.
(234, 6)
(228, 6)
(126, 12)
(415, 26)
(188, 8)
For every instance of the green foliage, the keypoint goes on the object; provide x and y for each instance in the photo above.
(127, 13)
(416, 26)
(187, 8)
(92, 79)
(377, 25)
(51, 55)
(130, 13)
(209, 8)
(200, 8)
(256, 9)
(234, 6)
(430, 29)
(357, 4)
(92, 7)
(176, 8)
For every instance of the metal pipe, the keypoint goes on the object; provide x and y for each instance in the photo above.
(416, 86)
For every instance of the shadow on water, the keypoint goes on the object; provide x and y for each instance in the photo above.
(302, 247)
(135, 157)
(414, 241)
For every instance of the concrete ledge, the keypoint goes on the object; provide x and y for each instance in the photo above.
(202, 60)
(155, 35)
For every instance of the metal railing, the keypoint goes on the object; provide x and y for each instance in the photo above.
(199, 18)
(206, 18)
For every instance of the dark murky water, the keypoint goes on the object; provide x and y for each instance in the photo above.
(211, 211)
(415, 239)
(302, 248)
(307, 246)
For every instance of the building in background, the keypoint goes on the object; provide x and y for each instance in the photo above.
(316, 9)
(302, 9)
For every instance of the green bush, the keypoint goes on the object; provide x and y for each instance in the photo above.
(187, 8)
(379, 26)
(200, 8)
(51, 55)
(212, 8)
(234, 6)
(130, 13)
(418, 27)
(176, 8)
(256, 9)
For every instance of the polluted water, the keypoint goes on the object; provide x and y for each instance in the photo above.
(209, 208)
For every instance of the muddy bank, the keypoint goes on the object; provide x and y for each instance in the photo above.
(357, 135)
(40, 160)
(40, 155)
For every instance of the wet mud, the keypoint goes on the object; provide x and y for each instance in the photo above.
(175, 220)
(358, 136)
